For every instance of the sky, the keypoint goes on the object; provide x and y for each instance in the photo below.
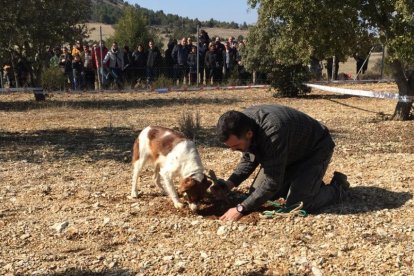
(222, 10)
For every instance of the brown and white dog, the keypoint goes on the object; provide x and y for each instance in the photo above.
(173, 156)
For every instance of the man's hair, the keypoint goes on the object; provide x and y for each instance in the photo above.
(233, 123)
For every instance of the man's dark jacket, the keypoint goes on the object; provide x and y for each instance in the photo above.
(282, 138)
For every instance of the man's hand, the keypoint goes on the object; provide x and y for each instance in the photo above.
(232, 214)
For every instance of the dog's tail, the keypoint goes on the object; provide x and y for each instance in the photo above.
(135, 151)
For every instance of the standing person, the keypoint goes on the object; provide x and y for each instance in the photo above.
(220, 51)
(180, 55)
(115, 58)
(78, 73)
(209, 62)
(128, 70)
(293, 151)
(214, 64)
(169, 62)
(243, 77)
(65, 64)
(219, 45)
(87, 58)
(139, 62)
(204, 37)
(77, 49)
(192, 66)
(229, 55)
(153, 62)
(97, 56)
(203, 48)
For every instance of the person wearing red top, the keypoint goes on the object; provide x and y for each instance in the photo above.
(97, 57)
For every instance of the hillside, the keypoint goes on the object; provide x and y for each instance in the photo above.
(108, 31)
(109, 11)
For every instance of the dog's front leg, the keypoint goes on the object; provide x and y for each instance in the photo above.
(169, 187)
(137, 169)
(157, 179)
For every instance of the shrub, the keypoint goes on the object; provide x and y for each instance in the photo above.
(189, 124)
(53, 79)
(162, 82)
(289, 80)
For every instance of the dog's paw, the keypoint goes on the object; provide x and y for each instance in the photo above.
(178, 205)
(193, 207)
(134, 195)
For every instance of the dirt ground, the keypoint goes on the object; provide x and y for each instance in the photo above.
(65, 178)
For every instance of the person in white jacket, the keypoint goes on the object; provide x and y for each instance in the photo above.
(116, 64)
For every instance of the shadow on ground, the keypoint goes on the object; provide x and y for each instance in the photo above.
(81, 272)
(57, 144)
(108, 143)
(365, 199)
(111, 104)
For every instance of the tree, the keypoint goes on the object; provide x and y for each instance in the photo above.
(325, 27)
(259, 56)
(132, 28)
(28, 27)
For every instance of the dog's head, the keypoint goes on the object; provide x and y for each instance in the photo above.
(194, 190)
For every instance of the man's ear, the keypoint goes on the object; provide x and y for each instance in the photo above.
(186, 184)
(249, 134)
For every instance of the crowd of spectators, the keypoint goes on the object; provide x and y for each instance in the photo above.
(84, 66)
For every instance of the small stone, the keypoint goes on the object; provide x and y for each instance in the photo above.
(132, 239)
(316, 271)
(25, 236)
(180, 264)
(194, 222)
(242, 227)
(301, 260)
(222, 230)
(112, 264)
(106, 221)
(168, 258)
(97, 205)
(60, 226)
(381, 232)
(46, 189)
(203, 255)
(8, 267)
(240, 262)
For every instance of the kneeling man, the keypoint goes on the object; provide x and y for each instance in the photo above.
(293, 151)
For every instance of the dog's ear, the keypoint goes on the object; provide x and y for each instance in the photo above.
(186, 184)
(206, 183)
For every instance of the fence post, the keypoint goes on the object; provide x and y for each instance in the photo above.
(101, 56)
(198, 55)
(382, 62)
(333, 68)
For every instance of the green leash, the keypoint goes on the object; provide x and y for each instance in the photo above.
(283, 210)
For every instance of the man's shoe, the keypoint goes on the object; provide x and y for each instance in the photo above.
(340, 182)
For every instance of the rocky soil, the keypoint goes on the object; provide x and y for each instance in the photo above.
(65, 179)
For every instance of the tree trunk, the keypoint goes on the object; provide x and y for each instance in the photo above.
(405, 88)
(402, 111)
